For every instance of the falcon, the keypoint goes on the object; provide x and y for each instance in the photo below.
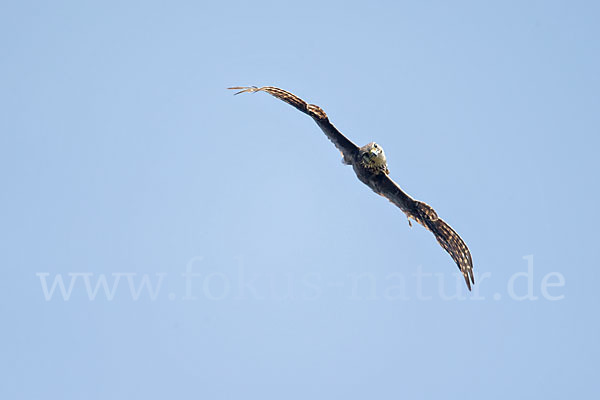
(370, 165)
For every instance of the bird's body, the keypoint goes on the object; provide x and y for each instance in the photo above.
(370, 165)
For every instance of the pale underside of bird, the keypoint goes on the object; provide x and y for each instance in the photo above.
(370, 165)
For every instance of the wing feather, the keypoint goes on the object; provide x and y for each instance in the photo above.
(448, 239)
(343, 144)
(426, 216)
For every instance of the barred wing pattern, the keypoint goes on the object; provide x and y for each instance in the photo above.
(426, 216)
(447, 238)
(340, 141)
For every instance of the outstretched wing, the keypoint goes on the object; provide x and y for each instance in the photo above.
(426, 216)
(340, 141)
(448, 239)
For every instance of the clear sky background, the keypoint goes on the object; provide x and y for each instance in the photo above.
(122, 156)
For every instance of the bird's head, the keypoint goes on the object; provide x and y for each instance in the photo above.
(373, 157)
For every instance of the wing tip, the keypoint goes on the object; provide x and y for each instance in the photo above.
(244, 89)
(469, 276)
(466, 275)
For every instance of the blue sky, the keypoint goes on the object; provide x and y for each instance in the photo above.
(241, 258)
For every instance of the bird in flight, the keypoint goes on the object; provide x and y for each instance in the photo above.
(370, 165)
